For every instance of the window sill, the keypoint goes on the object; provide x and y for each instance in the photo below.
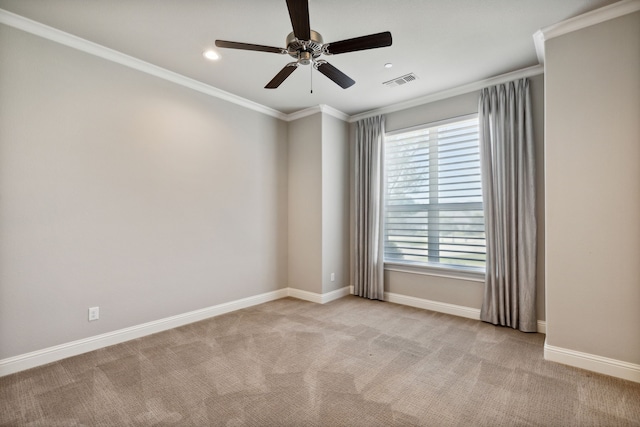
(450, 273)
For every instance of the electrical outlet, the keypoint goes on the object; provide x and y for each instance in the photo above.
(94, 313)
(333, 277)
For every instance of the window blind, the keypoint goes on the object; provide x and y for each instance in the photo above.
(433, 205)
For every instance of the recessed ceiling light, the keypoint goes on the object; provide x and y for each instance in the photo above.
(211, 55)
(388, 65)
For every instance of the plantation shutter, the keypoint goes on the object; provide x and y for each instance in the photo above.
(433, 206)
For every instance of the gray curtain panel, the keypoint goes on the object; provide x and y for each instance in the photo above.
(508, 180)
(368, 271)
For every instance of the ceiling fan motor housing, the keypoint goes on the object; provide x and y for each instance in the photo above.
(305, 51)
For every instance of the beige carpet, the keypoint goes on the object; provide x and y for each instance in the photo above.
(352, 362)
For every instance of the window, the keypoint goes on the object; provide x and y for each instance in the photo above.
(433, 204)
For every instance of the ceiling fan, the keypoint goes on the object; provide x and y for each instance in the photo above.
(306, 46)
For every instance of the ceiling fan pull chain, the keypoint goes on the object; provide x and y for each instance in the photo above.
(311, 73)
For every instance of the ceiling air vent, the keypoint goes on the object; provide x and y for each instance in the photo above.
(402, 80)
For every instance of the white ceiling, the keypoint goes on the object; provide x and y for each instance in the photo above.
(446, 43)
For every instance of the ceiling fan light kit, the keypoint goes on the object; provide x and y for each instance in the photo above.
(306, 46)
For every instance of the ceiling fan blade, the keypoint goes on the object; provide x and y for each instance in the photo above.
(371, 41)
(299, 14)
(338, 77)
(282, 75)
(248, 46)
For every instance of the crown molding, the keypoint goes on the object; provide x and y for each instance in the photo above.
(579, 22)
(334, 112)
(75, 42)
(449, 93)
(588, 19)
(303, 113)
(591, 18)
(49, 33)
(538, 42)
(321, 108)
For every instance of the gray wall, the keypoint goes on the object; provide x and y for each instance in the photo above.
(467, 293)
(127, 192)
(305, 203)
(335, 203)
(318, 203)
(593, 189)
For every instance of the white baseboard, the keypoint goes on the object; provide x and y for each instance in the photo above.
(74, 348)
(318, 298)
(542, 327)
(442, 307)
(592, 362)
(304, 295)
(334, 295)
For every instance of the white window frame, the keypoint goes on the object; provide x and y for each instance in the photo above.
(476, 274)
